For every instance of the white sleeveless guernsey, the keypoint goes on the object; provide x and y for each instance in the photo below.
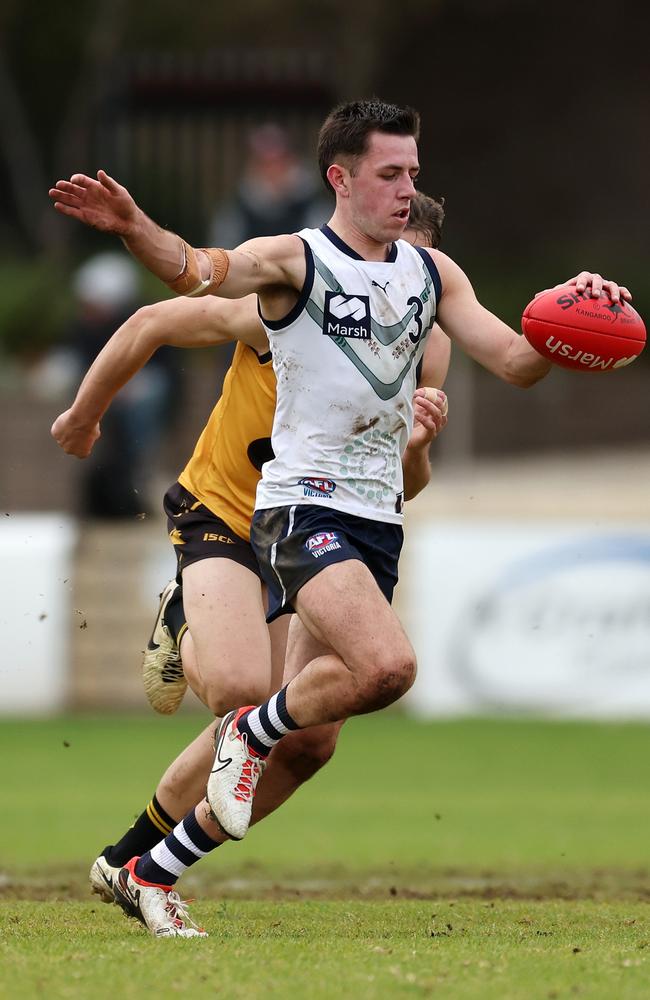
(345, 359)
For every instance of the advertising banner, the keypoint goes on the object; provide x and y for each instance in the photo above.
(548, 619)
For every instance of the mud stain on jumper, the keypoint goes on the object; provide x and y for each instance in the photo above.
(360, 425)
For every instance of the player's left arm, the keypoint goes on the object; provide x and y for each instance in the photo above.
(429, 413)
(489, 340)
(180, 322)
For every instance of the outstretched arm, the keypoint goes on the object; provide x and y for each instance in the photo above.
(488, 339)
(179, 323)
(273, 266)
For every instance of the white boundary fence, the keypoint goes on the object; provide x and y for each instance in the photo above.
(525, 588)
(35, 612)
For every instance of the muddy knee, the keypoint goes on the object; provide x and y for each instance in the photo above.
(387, 680)
(304, 752)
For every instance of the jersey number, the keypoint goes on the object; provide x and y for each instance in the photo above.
(415, 301)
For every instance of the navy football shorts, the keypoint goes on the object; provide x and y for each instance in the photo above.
(293, 544)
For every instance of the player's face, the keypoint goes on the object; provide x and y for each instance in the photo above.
(382, 186)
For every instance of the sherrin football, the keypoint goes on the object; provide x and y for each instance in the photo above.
(576, 331)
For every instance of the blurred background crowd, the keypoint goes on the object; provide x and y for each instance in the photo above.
(534, 129)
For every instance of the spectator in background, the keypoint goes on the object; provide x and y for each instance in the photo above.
(277, 193)
(116, 483)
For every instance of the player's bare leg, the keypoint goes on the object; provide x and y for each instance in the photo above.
(224, 666)
(183, 783)
(229, 646)
(294, 761)
(298, 757)
(362, 662)
(370, 662)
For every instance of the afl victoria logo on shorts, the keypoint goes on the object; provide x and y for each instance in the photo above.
(322, 542)
(347, 316)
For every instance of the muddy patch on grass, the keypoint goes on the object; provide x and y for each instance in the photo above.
(254, 883)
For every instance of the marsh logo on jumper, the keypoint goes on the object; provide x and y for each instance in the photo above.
(324, 541)
(317, 487)
(347, 316)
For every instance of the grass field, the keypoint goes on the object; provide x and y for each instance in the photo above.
(487, 859)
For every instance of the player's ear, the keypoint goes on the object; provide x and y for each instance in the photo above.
(338, 177)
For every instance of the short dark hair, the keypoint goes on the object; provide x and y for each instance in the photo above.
(345, 131)
(426, 216)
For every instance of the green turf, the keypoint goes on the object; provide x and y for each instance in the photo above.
(330, 949)
(472, 794)
(483, 858)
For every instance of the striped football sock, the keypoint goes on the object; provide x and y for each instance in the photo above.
(149, 829)
(185, 845)
(265, 726)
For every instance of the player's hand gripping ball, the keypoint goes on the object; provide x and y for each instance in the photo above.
(586, 334)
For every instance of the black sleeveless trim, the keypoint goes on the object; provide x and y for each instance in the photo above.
(433, 271)
(305, 292)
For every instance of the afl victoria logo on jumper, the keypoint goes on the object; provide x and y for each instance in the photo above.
(317, 487)
(347, 316)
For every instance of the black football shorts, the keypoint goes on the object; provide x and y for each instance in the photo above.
(295, 543)
(196, 533)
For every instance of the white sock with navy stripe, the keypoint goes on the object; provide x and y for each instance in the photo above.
(184, 846)
(265, 726)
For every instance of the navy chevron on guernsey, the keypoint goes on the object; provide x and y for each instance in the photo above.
(183, 847)
(265, 726)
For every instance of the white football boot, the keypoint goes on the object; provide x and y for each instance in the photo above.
(158, 907)
(162, 669)
(234, 776)
(102, 878)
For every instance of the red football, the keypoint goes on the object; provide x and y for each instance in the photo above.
(576, 331)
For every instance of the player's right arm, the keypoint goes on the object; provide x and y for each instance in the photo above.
(178, 322)
(485, 337)
(481, 334)
(273, 267)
